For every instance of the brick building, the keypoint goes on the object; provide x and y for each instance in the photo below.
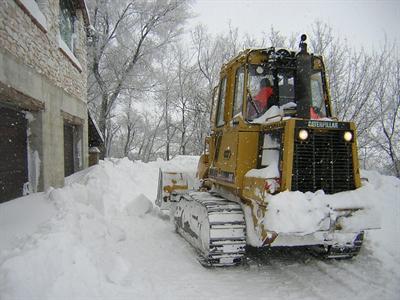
(43, 105)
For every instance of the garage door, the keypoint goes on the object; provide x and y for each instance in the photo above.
(13, 154)
(68, 149)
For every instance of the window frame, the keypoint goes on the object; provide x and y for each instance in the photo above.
(235, 95)
(249, 84)
(220, 118)
(67, 5)
(318, 65)
(213, 112)
(322, 109)
(63, 46)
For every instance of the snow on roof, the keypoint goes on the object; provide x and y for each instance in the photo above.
(96, 127)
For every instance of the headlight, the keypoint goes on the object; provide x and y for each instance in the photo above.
(303, 134)
(348, 136)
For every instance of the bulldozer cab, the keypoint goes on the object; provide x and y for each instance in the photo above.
(265, 78)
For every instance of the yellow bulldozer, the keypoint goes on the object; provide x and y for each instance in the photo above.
(273, 131)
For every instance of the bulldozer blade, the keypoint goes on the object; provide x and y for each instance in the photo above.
(168, 183)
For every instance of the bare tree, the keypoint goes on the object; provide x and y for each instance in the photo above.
(111, 129)
(130, 121)
(151, 137)
(387, 138)
(127, 34)
(352, 76)
(165, 94)
(276, 39)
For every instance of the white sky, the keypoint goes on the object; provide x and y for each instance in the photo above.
(363, 23)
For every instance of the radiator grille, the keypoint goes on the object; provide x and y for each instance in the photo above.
(324, 161)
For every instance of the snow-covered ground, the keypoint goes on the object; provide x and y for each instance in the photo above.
(100, 237)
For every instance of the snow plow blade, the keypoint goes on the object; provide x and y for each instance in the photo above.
(169, 183)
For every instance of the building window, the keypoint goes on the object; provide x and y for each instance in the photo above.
(68, 24)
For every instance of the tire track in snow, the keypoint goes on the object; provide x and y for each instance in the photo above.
(337, 279)
(284, 265)
(305, 284)
(339, 266)
(347, 278)
(368, 284)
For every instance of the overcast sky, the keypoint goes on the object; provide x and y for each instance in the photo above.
(364, 23)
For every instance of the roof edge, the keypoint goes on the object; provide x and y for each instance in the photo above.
(82, 5)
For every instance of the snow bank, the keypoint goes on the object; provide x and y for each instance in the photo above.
(62, 243)
(21, 218)
(99, 237)
(140, 206)
(386, 242)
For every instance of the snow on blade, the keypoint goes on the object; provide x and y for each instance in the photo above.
(304, 213)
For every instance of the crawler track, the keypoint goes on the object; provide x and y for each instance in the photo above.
(214, 226)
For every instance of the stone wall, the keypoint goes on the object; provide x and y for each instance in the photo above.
(21, 37)
(39, 76)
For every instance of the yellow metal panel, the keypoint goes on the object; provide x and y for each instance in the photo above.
(356, 164)
(228, 151)
(288, 148)
(202, 167)
(253, 189)
(247, 154)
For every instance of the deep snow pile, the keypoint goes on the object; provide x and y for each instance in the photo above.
(303, 213)
(100, 237)
(62, 242)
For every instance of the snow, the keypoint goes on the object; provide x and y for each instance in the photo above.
(29, 116)
(270, 159)
(33, 160)
(93, 120)
(34, 169)
(274, 114)
(304, 213)
(140, 206)
(267, 172)
(20, 219)
(100, 237)
(293, 212)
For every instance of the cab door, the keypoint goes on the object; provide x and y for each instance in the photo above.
(229, 109)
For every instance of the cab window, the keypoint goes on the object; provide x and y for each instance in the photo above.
(319, 107)
(317, 94)
(239, 84)
(221, 103)
(260, 90)
(214, 104)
